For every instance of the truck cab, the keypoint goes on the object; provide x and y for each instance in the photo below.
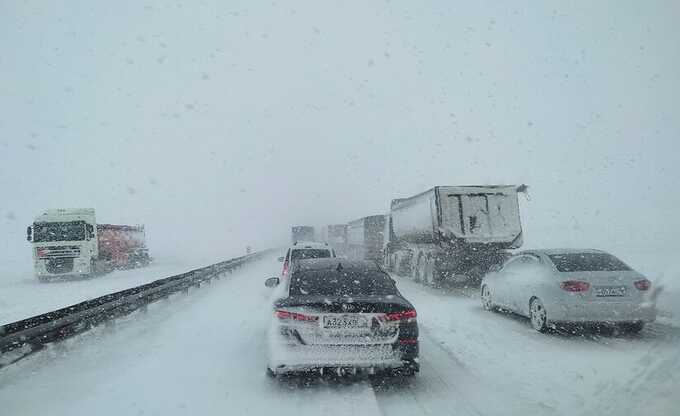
(64, 242)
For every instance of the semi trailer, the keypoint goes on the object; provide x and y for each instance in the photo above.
(336, 236)
(302, 233)
(366, 238)
(453, 232)
(69, 242)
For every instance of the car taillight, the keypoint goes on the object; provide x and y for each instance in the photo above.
(575, 286)
(284, 315)
(285, 268)
(41, 252)
(643, 284)
(408, 316)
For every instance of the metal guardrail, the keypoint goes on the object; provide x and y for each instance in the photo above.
(21, 338)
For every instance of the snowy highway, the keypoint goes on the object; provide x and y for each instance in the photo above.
(22, 295)
(205, 354)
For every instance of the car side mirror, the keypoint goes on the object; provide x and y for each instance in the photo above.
(28, 233)
(272, 282)
(281, 259)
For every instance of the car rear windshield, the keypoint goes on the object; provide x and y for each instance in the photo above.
(587, 262)
(335, 283)
(310, 253)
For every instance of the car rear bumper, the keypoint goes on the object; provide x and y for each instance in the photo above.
(286, 358)
(602, 312)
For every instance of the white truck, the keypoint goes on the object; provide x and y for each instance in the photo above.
(68, 242)
(453, 232)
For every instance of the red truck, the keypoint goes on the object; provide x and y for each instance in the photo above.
(122, 246)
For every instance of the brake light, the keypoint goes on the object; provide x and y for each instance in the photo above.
(643, 284)
(284, 315)
(41, 252)
(410, 341)
(285, 268)
(575, 286)
(407, 316)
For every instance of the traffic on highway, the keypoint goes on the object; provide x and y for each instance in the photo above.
(339, 208)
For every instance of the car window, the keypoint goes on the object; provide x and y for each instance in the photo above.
(519, 262)
(309, 253)
(341, 283)
(582, 262)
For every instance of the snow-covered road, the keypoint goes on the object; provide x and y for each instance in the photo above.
(205, 354)
(22, 295)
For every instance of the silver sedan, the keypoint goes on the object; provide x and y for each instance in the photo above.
(568, 285)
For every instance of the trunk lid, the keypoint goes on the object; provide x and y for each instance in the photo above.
(342, 321)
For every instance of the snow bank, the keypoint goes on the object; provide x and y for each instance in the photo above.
(22, 295)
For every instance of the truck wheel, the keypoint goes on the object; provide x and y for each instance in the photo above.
(391, 262)
(428, 272)
(417, 269)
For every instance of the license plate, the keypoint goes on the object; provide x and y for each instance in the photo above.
(344, 322)
(617, 291)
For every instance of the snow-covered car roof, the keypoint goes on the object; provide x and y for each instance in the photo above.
(335, 263)
(551, 251)
(308, 244)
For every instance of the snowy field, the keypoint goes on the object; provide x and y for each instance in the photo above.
(22, 295)
(205, 354)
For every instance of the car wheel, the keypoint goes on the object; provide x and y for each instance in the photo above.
(487, 303)
(538, 316)
(409, 369)
(632, 327)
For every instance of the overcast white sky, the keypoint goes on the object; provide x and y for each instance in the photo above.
(219, 123)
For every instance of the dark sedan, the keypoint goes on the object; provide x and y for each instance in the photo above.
(341, 316)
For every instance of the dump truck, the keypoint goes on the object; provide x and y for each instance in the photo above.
(366, 238)
(69, 242)
(453, 232)
(336, 236)
(302, 233)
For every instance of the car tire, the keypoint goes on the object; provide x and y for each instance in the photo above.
(538, 315)
(632, 327)
(487, 302)
(409, 369)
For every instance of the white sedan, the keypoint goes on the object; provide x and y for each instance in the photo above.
(569, 285)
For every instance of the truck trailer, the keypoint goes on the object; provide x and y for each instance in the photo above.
(69, 242)
(336, 236)
(453, 232)
(366, 238)
(302, 233)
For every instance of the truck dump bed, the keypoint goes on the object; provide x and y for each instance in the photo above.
(459, 214)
